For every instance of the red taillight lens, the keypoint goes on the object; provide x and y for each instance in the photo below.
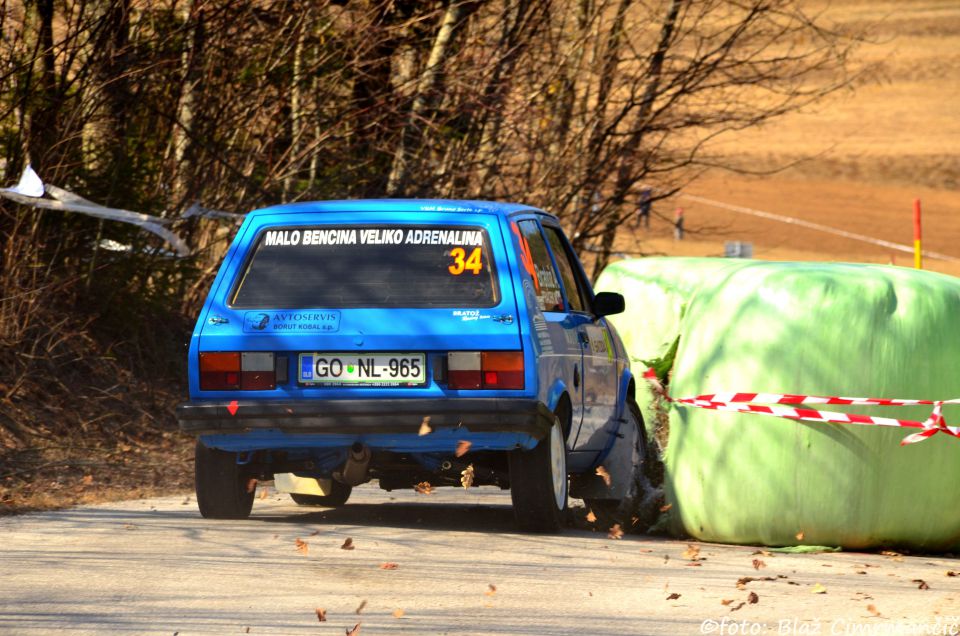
(502, 369)
(485, 370)
(232, 370)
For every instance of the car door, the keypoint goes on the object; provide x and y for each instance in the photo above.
(561, 354)
(599, 367)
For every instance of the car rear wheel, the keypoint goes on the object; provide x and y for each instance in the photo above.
(222, 489)
(538, 483)
(339, 493)
(638, 509)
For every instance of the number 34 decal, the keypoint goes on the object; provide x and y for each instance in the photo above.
(472, 262)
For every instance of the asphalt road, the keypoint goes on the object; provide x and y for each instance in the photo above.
(155, 567)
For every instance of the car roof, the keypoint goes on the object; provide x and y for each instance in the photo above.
(400, 205)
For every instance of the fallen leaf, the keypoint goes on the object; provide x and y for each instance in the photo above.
(890, 553)
(252, 484)
(693, 564)
(726, 601)
(757, 564)
(753, 598)
(348, 544)
(603, 474)
(129, 526)
(354, 631)
(665, 507)
(921, 584)
(314, 533)
(463, 447)
(491, 589)
(424, 488)
(425, 427)
(264, 493)
(873, 610)
(743, 580)
(360, 607)
(952, 573)
(467, 477)
(592, 518)
(398, 613)
(692, 553)
(861, 572)
(321, 615)
(735, 608)
(615, 532)
(818, 589)
(302, 546)
(87, 480)
(800, 536)
(388, 566)
(673, 596)
(765, 553)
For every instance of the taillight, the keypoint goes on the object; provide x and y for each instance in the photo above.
(232, 370)
(485, 369)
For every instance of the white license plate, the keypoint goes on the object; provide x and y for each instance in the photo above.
(363, 369)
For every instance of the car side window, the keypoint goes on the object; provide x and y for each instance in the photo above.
(545, 282)
(576, 294)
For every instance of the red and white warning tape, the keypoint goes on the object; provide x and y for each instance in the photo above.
(746, 403)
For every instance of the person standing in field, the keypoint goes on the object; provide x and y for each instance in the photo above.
(678, 224)
(643, 209)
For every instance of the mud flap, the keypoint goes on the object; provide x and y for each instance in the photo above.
(623, 464)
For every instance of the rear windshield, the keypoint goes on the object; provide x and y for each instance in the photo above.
(369, 266)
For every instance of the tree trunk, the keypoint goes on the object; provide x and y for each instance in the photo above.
(428, 85)
(183, 128)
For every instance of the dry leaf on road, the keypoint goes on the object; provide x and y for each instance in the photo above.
(753, 598)
(692, 553)
(757, 564)
(388, 566)
(922, 585)
(726, 601)
(818, 589)
(736, 607)
(354, 631)
(424, 488)
(301, 546)
(348, 544)
(425, 427)
(952, 573)
(673, 597)
(264, 492)
(398, 613)
(491, 589)
(321, 615)
(592, 518)
(603, 474)
(360, 607)
(615, 532)
(873, 609)
(467, 477)
(463, 447)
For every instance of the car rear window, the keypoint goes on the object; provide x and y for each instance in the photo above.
(369, 266)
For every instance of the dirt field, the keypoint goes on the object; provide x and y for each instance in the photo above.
(867, 154)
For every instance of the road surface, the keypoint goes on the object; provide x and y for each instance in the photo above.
(446, 563)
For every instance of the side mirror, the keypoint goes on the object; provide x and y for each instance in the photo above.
(608, 303)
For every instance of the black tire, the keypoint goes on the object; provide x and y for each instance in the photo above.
(538, 483)
(221, 485)
(339, 493)
(639, 509)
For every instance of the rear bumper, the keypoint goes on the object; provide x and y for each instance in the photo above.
(367, 417)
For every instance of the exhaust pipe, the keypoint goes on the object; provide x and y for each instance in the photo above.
(354, 470)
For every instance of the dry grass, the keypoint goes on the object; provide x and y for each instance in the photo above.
(863, 155)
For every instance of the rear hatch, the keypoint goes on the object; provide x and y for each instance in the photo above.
(330, 303)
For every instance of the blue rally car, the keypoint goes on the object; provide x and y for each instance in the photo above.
(411, 341)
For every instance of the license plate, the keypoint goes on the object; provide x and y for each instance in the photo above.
(363, 369)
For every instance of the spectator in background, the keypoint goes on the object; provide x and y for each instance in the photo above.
(643, 209)
(678, 224)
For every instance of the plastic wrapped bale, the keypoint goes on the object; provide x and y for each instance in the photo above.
(802, 328)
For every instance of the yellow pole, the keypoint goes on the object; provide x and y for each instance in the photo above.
(917, 252)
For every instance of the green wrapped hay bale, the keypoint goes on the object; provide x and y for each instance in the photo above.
(813, 329)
